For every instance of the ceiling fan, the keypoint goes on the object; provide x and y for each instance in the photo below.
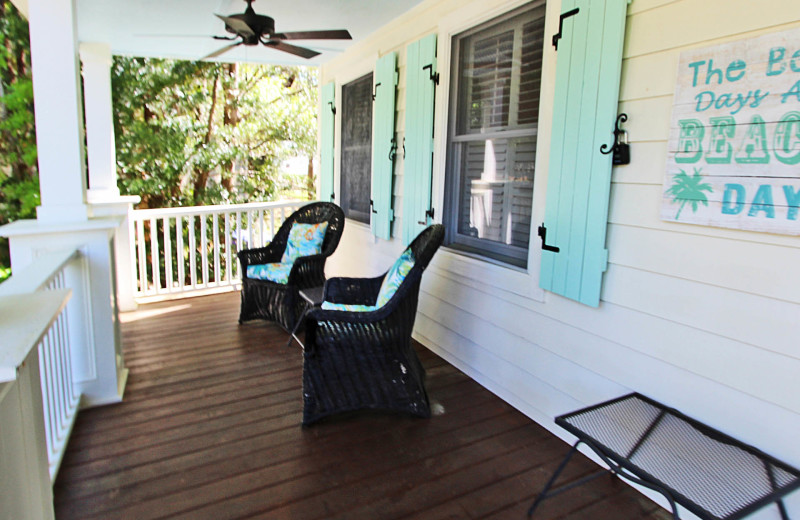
(250, 28)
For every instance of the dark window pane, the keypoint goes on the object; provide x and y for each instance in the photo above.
(356, 163)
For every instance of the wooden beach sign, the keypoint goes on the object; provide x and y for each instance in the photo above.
(734, 148)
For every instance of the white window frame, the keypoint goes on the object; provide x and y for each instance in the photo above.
(482, 271)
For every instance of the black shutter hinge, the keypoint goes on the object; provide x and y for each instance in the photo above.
(557, 36)
(372, 207)
(375, 93)
(428, 213)
(543, 235)
(433, 76)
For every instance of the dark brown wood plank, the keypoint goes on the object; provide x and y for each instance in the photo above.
(210, 428)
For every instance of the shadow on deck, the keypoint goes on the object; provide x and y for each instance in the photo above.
(210, 429)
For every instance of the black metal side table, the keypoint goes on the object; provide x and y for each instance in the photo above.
(711, 474)
(310, 298)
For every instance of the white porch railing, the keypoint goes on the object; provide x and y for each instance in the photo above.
(59, 396)
(182, 250)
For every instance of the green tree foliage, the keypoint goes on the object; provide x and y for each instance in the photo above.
(194, 133)
(19, 179)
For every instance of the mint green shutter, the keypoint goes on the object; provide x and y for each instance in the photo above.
(589, 63)
(383, 113)
(327, 123)
(418, 159)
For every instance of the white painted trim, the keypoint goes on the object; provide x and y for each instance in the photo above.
(35, 227)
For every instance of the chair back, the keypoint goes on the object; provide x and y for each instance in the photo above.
(424, 246)
(426, 243)
(315, 213)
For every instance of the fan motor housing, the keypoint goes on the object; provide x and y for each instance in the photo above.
(261, 25)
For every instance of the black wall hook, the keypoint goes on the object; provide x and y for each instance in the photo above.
(375, 93)
(333, 108)
(620, 148)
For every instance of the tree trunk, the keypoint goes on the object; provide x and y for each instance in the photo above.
(201, 175)
(310, 187)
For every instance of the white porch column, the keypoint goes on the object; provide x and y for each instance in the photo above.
(103, 194)
(59, 113)
(96, 60)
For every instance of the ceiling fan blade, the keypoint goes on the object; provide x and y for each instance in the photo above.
(292, 49)
(220, 51)
(336, 34)
(237, 25)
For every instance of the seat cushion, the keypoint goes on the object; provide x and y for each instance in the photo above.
(277, 272)
(395, 277)
(304, 240)
(347, 307)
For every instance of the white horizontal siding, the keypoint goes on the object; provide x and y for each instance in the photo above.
(704, 319)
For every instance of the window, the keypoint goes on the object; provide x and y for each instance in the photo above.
(492, 136)
(356, 148)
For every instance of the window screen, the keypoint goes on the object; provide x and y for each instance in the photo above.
(356, 148)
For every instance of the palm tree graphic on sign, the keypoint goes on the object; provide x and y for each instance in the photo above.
(689, 189)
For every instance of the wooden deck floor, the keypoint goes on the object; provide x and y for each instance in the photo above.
(210, 429)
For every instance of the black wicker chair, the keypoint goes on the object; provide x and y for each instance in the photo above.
(365, 360)
(266, 300)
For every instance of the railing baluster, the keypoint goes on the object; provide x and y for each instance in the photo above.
(215, 223)
(261, 241)
(238, 241)
(204, 248)
(58, 375)
(155, 253)
(167, 256)
(251, 242)
(192, 252)
(179, 253)
(228, 266)
(48, 399)
(142, 256)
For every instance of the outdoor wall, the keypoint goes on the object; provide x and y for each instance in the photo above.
(703, 319)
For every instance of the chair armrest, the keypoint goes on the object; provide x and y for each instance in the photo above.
(308, 271)
(261, 255)
(388, 324)
(352, 291)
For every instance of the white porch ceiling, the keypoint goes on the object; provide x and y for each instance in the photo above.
(183, 29)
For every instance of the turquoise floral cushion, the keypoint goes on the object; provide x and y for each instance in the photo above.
(395, 277)
(304, 240)
(347, 307)
(278, 272)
